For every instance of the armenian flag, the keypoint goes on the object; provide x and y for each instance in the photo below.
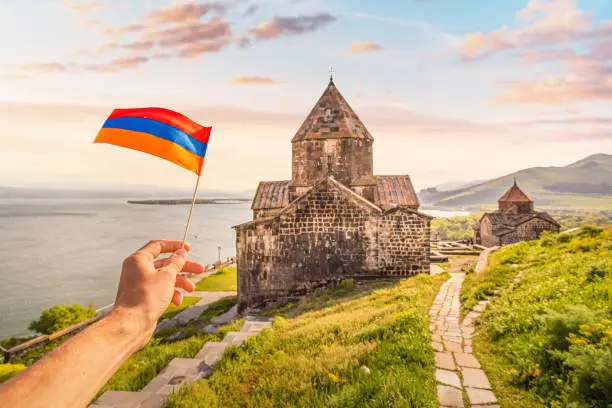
(160, 132)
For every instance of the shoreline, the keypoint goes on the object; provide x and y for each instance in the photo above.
(186, 201)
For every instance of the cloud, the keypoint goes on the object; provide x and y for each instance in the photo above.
(83, 7)
(187, 12)
(185, 30)
(279, 26)
(251, 10)
(548, 33)
(212, 29)
(141, 45)
(196, 49)
(252, 80)
(363, 47)
(45, 67)
(103, 49)
(543, 23)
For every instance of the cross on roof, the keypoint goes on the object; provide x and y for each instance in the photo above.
(331, 73)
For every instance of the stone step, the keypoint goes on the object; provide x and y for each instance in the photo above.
(179, 372)
(226, 317)
(237, 338)
(255, 326)
(258, 319)
(127, 399)
(212, 352)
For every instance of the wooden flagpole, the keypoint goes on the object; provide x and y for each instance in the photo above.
(195, 192)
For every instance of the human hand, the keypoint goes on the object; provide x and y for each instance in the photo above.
(147, 286)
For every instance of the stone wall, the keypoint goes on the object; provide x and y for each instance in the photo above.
(403, 243)
(344, 159)
(528, 231)
(486, 233)
(328, 235)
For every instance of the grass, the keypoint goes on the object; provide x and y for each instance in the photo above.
(547, 339)
(144, 365)
(501, 269)
(222, 281)
(173, 310)
(314, 354)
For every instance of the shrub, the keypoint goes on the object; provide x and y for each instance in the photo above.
(590, 231)
(589, 359)
(60, 317)
(597, 271)
(560, 325)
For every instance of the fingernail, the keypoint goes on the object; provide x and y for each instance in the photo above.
(181, 253)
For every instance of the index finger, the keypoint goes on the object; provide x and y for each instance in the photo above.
(160, 246)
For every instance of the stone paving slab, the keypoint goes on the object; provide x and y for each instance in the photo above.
(437, 346)
(450, 397)
(226, 317)
(448, 378)
(255, 327)
(236, 338)
(212, 352)
(128, 399)
(478, 396)
(466, 360)
(451, 346)
(445, 361)
(475, 378)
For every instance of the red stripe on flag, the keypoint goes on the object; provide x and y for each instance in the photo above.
(168, 117)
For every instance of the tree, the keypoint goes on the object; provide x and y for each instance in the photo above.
(59, 317)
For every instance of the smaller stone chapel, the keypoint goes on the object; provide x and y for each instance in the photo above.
(514, 221)
(334, 219)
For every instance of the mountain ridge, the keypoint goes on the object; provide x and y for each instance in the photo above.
(577, 184)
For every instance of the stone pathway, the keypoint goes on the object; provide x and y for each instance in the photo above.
(181, 371)
(458, 371)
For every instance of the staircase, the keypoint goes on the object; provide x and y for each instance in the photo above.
(182, 371)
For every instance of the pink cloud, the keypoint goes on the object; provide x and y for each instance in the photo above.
(363, 47)
(186, 12)
(252, 80)
(553, 22)
(301, 24)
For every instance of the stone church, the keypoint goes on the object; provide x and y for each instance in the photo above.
(514, 221)
(334, 219)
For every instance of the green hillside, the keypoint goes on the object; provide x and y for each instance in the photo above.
(546, 339)
(362, 344)
(585, 184)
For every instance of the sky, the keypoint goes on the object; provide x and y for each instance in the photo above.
(450, 90)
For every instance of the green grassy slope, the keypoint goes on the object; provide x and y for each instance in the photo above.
(315, 353)
(546, 340)
(223, 281)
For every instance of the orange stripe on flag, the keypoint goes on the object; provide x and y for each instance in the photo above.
(147, 143)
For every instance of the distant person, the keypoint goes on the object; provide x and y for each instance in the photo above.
(73, 373)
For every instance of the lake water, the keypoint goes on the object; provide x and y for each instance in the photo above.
(65, 251)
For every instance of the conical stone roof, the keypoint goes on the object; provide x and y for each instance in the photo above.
(332, 118)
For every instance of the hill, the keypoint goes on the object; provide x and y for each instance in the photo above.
(585, 184)
(545, 338)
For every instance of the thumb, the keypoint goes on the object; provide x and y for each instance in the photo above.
(176, 262)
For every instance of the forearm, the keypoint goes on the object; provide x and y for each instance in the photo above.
(71, 374)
